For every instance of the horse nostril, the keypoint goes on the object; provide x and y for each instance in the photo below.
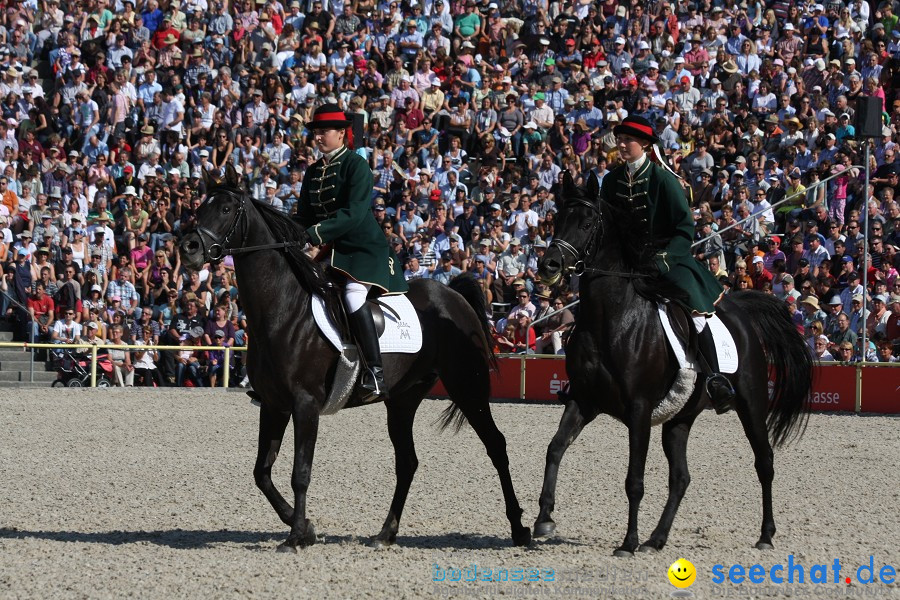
(192, 246)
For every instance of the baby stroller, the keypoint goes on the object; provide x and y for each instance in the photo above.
(74, 370)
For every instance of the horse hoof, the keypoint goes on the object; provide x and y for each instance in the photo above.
(310, 538)
(764, 546)
(380, 544)
(622, 553)
(286, 548)
(647, 549)
(522, 536)
(545, 529)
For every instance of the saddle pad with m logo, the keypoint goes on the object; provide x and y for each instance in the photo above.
(726, 349)
(402, 336)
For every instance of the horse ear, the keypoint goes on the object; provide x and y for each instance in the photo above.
(231, 177)
(208, 181)
(593, 186)
(569, 185)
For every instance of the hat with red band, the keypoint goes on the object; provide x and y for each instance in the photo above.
(329, 116)
(637, 127)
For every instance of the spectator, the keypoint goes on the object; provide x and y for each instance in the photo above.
(189, 361)
(458, 104)
(123, 370)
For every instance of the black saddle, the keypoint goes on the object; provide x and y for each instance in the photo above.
(683, 326)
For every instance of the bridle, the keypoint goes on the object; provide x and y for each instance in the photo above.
(578, 257)
(567, 250)
(220, 248)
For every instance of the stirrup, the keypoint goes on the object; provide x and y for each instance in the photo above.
(720, 392)
(371, 384)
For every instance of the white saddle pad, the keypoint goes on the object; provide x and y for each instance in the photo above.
(726, 349)
(403, 335)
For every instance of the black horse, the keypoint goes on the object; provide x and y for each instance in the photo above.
(291, 364)
(619, 362)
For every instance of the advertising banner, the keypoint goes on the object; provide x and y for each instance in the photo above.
(834, 386)
(881, 390)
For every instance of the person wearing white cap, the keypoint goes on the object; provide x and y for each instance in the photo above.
(271, 198)
(619, 56)
(432, 97)
(878, 317)
(402, 92)
(789, 45)
(650, 78)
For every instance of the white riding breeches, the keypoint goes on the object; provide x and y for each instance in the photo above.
(699, 322)
(355, 295)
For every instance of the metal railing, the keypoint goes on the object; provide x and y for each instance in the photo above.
(226, 366)
(24, 310)
(95, 349)
(779, 203)
(524, 355)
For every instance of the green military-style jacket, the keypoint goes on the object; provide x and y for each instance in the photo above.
(654, 196)
(335, 206)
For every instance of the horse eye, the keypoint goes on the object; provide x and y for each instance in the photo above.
(226, 210)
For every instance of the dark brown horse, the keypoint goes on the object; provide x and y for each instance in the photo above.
(291, 364)
(619, 362)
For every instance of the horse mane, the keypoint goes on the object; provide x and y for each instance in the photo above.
(633, 253)
(310, 274)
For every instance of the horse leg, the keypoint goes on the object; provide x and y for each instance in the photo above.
(638, 442)
(570, 426)
(674, 442)
(753, 418)
(400, 415)
(481, 420)
(306, 428)
(271, 432)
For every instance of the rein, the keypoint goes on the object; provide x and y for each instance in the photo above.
(578, 267)
(218, 249)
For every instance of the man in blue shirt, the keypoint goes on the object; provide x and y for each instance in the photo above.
(152, 16)
(445, 271)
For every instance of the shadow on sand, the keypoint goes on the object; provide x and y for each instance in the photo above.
(197, 538)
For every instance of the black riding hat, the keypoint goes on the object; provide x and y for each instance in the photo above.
(637, 127)
(329, 116)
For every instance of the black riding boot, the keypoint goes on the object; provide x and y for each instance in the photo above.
(718, 388)
(372, 380)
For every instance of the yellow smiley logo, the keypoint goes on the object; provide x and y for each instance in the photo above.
(682, 573)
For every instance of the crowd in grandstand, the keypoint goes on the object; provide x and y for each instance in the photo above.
(469, 113)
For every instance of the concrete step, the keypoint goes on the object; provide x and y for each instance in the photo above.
(24, 384)
(22, 365)
(39, 376)
(6, 336)
(12, 355)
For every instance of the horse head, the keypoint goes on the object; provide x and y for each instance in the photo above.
(218, 219)
(578, 226)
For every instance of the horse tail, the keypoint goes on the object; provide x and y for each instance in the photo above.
(789, 358)
(467, 286)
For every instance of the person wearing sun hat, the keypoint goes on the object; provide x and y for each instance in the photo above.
(335, 208)
(661, 222)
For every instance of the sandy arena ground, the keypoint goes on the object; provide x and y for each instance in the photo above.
(149, 494)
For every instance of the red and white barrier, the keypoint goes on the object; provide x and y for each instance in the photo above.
(834, 386)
